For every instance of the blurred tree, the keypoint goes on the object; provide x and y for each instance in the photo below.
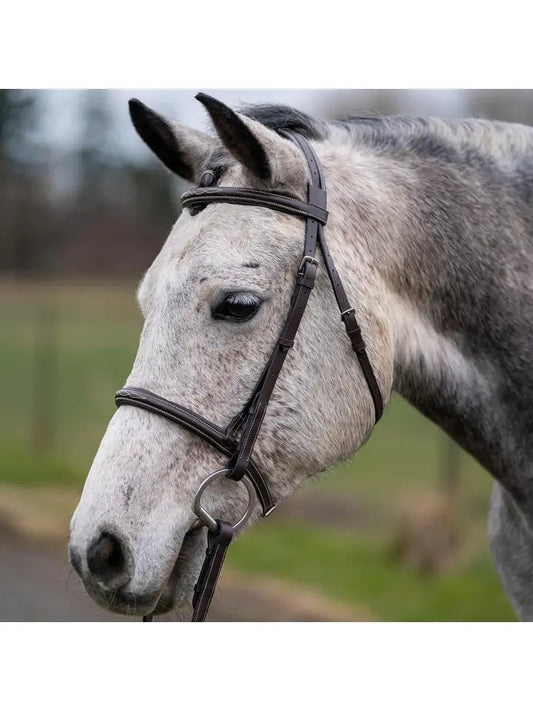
(18, 115)
(23, 195)
(95, 154)
(116, 215)
(123, 209)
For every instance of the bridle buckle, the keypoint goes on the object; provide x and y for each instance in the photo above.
(307, 259)
(351, 310)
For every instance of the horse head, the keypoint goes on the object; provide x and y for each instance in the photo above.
(214, 302)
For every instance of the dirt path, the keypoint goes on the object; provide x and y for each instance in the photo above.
(36, 585)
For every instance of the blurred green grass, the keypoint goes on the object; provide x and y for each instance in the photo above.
(22, 467)
(359, 570)
(98, 326)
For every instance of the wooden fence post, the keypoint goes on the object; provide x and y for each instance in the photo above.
(45, 363)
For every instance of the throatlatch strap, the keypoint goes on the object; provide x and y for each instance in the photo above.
(347, 311)
(217, 547)
(352, 327)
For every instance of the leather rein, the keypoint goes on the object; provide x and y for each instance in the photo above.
(237, 440)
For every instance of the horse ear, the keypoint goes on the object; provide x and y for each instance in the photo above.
(239, 136)
(183, 150)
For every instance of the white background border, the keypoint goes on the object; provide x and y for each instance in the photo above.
(274, 44)
(266, 45)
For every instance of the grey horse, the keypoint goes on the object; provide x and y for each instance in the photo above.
(431, 226)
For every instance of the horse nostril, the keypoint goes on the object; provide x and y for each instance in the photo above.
(106, 559)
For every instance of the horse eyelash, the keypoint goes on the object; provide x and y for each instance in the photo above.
(245, 298)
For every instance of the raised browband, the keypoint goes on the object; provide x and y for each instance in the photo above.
(195, 200)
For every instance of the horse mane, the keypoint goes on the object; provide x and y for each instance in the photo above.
(471, 139)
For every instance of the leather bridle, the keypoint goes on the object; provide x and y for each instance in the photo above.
(237, 440)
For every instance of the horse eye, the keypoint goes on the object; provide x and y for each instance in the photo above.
(208, 179)
(237, 307)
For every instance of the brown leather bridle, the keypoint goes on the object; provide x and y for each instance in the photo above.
(237, 440)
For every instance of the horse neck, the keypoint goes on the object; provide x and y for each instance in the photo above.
(447, 255)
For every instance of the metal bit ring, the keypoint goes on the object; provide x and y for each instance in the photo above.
(206, 518)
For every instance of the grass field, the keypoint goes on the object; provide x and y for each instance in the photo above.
(97, 330)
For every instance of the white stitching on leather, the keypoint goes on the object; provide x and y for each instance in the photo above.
(198, 418)
(260, 484)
